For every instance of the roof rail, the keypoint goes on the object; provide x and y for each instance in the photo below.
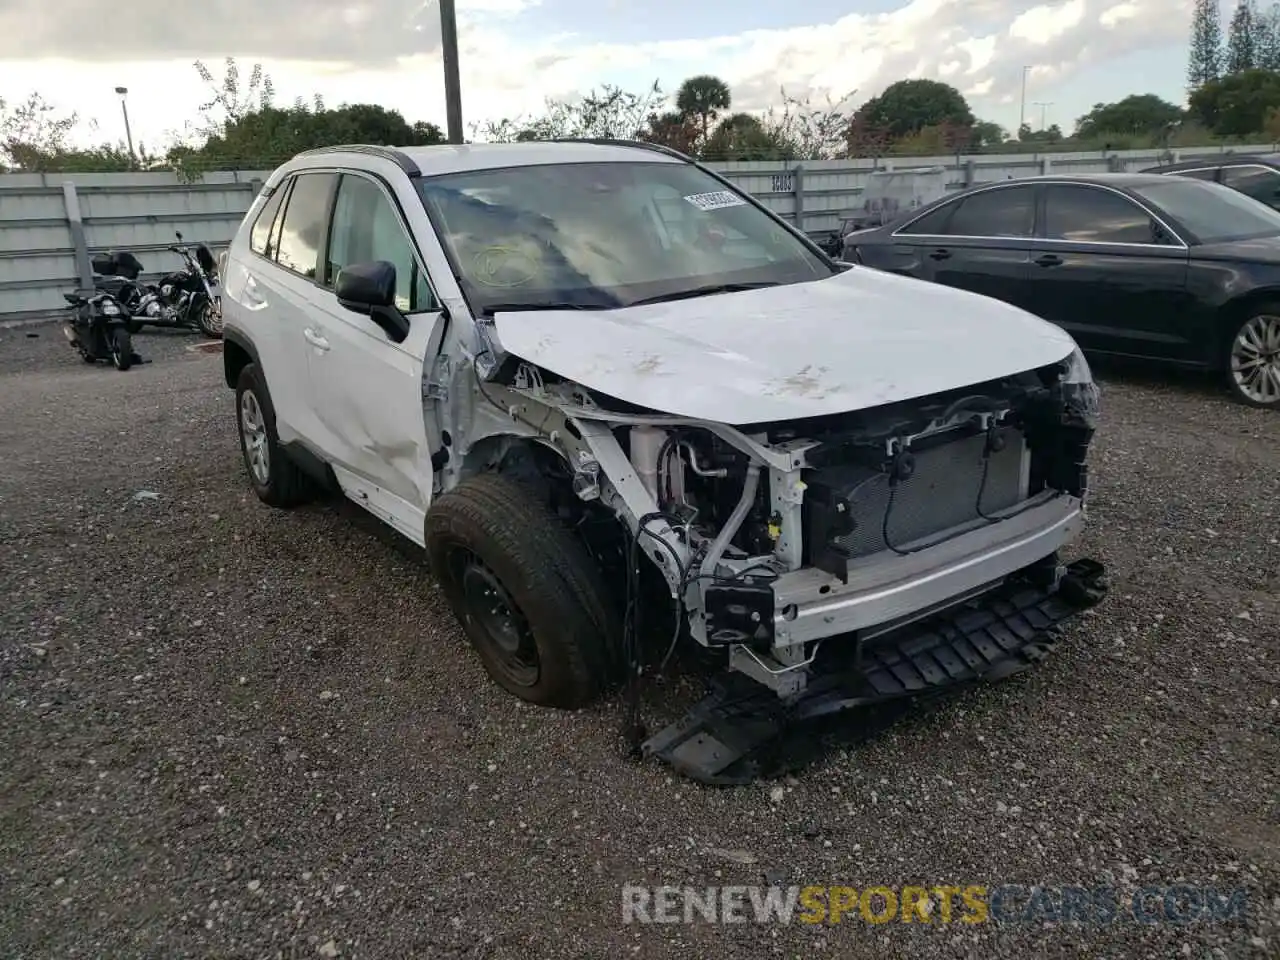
(634, 144)
(398, 157)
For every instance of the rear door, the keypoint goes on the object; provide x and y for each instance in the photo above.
(276, 287)
(983, 244)
(1111, 273)
(378, 429)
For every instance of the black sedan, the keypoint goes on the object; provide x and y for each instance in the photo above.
(1140, 265)
(1257, 175)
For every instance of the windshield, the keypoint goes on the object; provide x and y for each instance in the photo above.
(1214, 213)
(599, 235)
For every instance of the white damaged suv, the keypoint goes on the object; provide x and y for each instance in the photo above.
(617, 399)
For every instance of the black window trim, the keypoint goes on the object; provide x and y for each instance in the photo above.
(281, 190)
(403, 221)
(1181, 244)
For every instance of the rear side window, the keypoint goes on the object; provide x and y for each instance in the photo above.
(1210, 174)
(1002, 212)
(260, 239)
(303, 228)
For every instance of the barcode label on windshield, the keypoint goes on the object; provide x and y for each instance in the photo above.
(716, 201)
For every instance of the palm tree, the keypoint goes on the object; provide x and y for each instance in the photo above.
(703, 96)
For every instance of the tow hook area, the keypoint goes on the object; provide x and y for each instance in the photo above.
(741, 732)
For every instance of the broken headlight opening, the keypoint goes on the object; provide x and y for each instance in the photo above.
(1081, 398)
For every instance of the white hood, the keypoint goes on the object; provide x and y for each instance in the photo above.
(856, 340)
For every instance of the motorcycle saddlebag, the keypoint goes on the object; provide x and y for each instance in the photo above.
(103, 264)
(127, 265)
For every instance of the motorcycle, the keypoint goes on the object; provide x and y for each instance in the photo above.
(98, 329)
(188, 298)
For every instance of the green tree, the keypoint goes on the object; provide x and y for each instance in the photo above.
(268, 136)
(908, 106)
(1236, 105)
(230, 100)
(32, 129)
(743, 137)
(987, 134)
(810, 131)
(1137, 114)
(703, 97)
(1205, 62)
(609, 112)
(1268, 45)
(672, 129)
(1242, 52)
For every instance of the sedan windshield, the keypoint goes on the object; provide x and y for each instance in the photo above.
(1212, 212)
(600, 235)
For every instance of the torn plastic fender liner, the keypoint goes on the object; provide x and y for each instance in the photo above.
(742, 731)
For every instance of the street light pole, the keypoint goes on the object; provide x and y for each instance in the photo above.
(452, 85)
(128, 134)
(1044, 107)
(1022, 110)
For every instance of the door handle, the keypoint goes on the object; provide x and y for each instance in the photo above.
(1049, 260)
(940, 255)
(313, 338)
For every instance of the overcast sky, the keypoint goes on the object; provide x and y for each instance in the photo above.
(516, 52)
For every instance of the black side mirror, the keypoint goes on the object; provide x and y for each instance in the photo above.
(178, 234)
(370, 289)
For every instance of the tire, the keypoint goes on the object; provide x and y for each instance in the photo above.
(121, 346)
(133, 326)
(209, 321)
(491, 531)
(274, 477)
(1254, 346)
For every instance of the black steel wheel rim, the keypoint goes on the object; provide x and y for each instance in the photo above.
(496, 618)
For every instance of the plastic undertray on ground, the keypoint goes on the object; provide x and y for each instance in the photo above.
(742, 731)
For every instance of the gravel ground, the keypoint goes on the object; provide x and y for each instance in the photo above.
(228, 731)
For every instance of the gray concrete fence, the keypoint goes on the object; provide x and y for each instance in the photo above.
(52, 224)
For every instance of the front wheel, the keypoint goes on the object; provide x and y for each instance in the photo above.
(121, 347)
(1253, 359)
(526, 592)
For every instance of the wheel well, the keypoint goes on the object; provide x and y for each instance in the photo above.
(1235, 312)
(234, 359)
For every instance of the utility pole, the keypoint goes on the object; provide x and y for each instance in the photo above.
(1022, 110)
(128, 134)
(452, 85)
(1044, 108)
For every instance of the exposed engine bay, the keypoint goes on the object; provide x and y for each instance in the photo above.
(773, 538)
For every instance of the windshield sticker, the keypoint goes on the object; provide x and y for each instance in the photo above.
(715, 201)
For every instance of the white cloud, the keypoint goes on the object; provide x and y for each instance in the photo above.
(979, 45)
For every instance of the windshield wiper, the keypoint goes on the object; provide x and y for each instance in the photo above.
(550, 305)
(706, 291)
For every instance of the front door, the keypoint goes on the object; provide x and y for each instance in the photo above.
(379, 431)
(1110, 274)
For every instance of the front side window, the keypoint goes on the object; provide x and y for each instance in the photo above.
(1211, 212)
(1001, 212)
(302, 230)
(367, 228)
(1261, 183)
(1091, 215)
(607, 235)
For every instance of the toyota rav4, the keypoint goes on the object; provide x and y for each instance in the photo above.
(596, 381)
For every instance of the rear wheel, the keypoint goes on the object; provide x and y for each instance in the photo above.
(121, 346)
(1253, 359)
(275, 478)
(209, 319)
(525, 590)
